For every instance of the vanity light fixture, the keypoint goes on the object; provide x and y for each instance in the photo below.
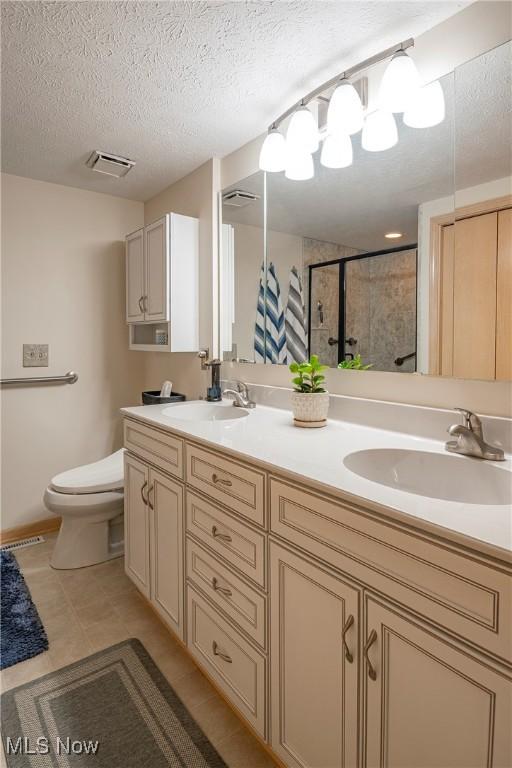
(379, 131)
(400, 91)
(273, 152)
(426, 108)
(302, 134)
(399, 83)
(336, 151)
(393, 235)
(345, 111)
(299, 164)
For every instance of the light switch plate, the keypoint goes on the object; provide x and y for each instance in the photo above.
(35, 355)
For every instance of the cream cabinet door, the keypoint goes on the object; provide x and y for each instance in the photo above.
(156, 247)
(165, 499)
(135, 277)
(429, 704)
(136, 523)
(314, 664)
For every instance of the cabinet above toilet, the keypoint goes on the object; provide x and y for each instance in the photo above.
(162, 279)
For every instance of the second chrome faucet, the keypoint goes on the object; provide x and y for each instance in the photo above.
(240, 395)
(470, 439)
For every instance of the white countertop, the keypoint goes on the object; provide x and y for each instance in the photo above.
(269, 436)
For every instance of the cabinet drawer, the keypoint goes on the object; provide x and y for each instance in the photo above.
(235, 542)
(237, 668)
(455, 589)
(160, 448)
(233, 484)
(237, 599)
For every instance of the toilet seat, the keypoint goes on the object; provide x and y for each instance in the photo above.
(101, 476)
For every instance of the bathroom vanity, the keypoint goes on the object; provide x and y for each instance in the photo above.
(349, 623)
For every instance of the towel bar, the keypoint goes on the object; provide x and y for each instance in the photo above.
(68, 378)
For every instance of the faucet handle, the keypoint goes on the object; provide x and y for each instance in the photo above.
(471, 420)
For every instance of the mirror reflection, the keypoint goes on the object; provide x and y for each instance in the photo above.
(392, 263)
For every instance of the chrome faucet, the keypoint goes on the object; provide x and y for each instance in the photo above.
(241, 397)
(470, 439)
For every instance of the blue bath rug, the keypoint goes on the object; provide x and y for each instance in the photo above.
(22, 634)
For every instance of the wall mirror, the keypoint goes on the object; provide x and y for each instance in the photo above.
(312, 267)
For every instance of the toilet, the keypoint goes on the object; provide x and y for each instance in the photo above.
(90, 501)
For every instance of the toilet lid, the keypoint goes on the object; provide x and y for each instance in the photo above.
(104, 475)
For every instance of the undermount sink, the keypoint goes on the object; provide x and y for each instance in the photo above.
(438, 476)
(204, 412)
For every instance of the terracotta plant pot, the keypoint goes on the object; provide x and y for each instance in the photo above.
(310, 409)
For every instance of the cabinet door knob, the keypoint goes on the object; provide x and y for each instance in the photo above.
(221, 481)
(222, 590)
(150, 490)
(223, 656)
(144, 499)
(221, 536)
(349, 622)
(372, 674)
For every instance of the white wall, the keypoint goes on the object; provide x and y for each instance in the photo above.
(62, 284)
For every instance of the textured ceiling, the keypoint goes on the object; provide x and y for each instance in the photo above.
(381, 191)
(172, 84)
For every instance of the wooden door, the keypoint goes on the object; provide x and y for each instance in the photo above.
(474, 297)
(314, 664)
(136, 523)
(166, 501)
(504, 297)
(431, 704)
(157, 270)
(135, 277)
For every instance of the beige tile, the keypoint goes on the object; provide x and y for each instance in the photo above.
(25, 671)
(193, 689)
(47, 593)
(174, 663)
(61, 624)
(242, 750)
(93, 612)
(66, 650)
(104, 633)
(216, 719)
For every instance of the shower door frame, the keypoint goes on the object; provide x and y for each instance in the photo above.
(341, 262)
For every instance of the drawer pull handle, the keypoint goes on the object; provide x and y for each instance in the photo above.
(150, 490)
(221, 536)
(221, 481)
(222, 590)
(223, 656)
(372, 674)
(144, 499)
(348, 655)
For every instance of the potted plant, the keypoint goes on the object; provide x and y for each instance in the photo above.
(356, 364)
(310, 401)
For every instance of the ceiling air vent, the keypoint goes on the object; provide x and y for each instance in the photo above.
(112, 165)
(238, 198)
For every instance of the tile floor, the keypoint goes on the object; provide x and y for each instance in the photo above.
(89, 609)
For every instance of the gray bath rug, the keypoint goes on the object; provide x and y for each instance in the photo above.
(114, 709)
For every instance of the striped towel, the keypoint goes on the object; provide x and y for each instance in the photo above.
(296, 334)
(270, 346)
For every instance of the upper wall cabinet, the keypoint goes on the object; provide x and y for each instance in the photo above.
(162, 273)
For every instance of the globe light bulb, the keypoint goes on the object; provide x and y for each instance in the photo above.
(337, 151)
(426, 108)
(302, 133)
(345, 111)
(399, 83)
(379, 131)
(273, 152)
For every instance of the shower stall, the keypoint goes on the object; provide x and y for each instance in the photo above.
(365, 305)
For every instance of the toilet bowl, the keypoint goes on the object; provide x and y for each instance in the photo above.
(90, 501)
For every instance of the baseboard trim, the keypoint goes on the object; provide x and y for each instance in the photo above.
(38, 528)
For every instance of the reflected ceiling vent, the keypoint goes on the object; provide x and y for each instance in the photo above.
(238, 198)
(111, 165)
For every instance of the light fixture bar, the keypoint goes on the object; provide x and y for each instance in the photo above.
(347, 73)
